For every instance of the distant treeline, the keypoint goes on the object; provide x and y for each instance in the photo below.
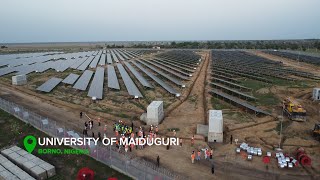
(277, 44)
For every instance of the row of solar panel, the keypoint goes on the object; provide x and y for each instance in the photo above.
(96, 88)
(39, 62)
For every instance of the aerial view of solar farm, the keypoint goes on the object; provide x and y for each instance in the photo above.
(159, 90)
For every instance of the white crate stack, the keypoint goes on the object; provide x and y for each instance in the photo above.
(285, 161)
(251, 151)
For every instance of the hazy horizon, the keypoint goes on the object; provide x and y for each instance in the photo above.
(37, 21)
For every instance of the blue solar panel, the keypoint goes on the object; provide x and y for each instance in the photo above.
(96, 87)
(112, 78)
(83, 81)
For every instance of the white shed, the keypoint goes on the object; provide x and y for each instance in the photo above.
(155, 113)
(316, 94)
(215, 133)
(19, 79)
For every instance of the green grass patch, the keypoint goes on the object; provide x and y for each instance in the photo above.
(13, 132)
(239, 117)
(254, 84)
(219, 104)
(268, 99)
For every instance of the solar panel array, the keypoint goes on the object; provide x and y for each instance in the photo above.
(139, 76)
(156, 79)
(109, 59)
(96, 87)
(172, 79)
(131, 87)
(112, 78)
(102, 61)
(49, 85)
(71, 79)
(168, 65)
(84, 80)
(85, 64)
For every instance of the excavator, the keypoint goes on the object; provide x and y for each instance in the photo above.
(294, 110)
(316, 131)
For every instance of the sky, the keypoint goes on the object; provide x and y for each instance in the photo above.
(24, 21)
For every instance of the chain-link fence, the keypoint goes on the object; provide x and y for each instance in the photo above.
(126, 163)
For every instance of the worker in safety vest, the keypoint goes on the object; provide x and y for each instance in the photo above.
(192, 157)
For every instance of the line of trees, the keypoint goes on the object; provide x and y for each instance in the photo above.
(278, 44)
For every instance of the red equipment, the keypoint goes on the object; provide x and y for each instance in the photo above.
(85, 174)
(266, 159)
(302, 157)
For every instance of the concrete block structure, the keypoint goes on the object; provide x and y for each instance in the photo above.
(215, 133)
(155, 113)
(19, 80)
(9, 170)
(14, 158)
(202, 130)
(316, 94)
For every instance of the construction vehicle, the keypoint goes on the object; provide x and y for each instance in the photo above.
(294, 110)
(316, 131)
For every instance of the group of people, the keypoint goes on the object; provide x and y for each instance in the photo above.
(196, 155)
(123, 131)
(89, 126)
(207, 154)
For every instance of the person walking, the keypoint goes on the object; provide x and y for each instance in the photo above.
(158, 161)
(86, 130)
(192, 157)
(105, 129)
(192, 141)
(212, 167)
(180, 142)
(81, 115)
(211, 153)
(157, 129)
(126, 147)
(199, 155)
(99, 136)
(206, 154)
(231, 138)
(99, 121)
